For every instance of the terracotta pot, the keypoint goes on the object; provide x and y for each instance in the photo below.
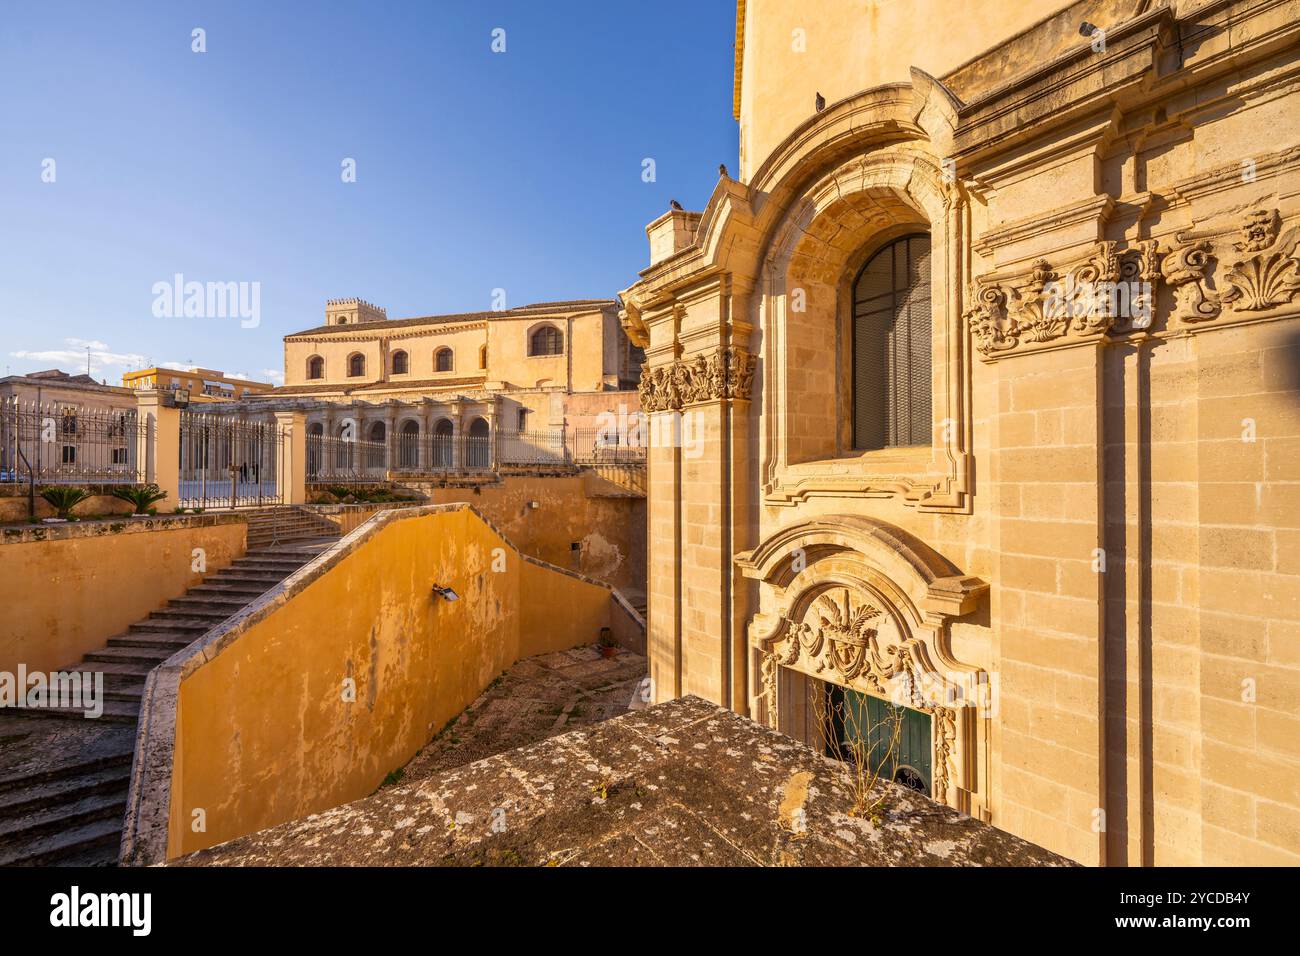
(608, 651)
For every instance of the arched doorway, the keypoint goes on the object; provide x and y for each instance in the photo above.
(375, 449)
(444, 436)
(478, 450)
(408, 450)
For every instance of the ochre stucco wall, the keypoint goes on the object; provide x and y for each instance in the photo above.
(66, 596)
(263, 733)
(610, 530)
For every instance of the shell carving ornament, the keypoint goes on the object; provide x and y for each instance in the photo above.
(1114, 291)
(725, 373)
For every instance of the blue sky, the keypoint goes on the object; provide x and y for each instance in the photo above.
(475, 170)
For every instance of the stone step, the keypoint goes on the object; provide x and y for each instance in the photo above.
(152, 656)
(162, 621)
(244, 590)
(62, 815)
(114, 712)
(209, 601)
(125, 672)
(162, 640)
(250, 576)
(68, 771)
(44, 794)
(53, 849)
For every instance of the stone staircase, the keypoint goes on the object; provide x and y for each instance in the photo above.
(271, 526)
(63, 777)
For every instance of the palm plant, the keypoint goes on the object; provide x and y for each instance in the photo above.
(142, 496)
(63, 499)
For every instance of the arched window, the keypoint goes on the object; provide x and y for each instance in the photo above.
(315, 367)
(891, 347)
(442, 360)
(401, 364)
(546, 340)
(482, 356)
(356, 365)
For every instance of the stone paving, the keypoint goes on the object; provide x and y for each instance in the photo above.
(535, 699)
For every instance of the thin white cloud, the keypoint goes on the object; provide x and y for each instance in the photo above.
(273, 375)
(73, 358)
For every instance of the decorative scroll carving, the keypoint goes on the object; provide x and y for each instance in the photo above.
(726, 373)
(1079, 302)
(846, 638)
(1108, 290)
(1186, 269)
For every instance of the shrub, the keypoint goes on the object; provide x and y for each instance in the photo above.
(141, 496)
(63, 499)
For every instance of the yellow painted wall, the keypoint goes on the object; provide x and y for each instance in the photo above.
(64, 597)
(611, 531)
(263, 733)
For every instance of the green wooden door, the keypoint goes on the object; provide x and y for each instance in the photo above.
(862, 728)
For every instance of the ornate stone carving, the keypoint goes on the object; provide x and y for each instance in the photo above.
(726, 373)
(1270, 277)
(1186, 269)
(1079, 301)
(847, 639)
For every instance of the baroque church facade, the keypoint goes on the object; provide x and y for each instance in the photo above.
(993, 342)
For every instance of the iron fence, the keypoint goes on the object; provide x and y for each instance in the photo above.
(64, 443)
(226, 462)
(424, 454)
(605, 446)
(341, 459)
(534, 448)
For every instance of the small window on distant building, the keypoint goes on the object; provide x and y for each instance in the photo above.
(442, 360)
(357, 365)
(547, 340)
(522, 422)
(400, 363)
(315, 368)
(482, 356)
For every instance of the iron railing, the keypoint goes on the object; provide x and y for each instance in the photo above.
(62, 443)
(605, 446)
(226, 462)
(340, 459)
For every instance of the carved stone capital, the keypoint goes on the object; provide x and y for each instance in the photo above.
(726, 373)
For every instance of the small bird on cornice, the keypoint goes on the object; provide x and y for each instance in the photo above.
(820, 103)
(722, 171)
(673, 203)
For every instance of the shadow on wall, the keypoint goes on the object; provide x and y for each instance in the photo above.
(346, 670)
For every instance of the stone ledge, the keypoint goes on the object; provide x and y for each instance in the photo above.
(26, 534)
(685, 783)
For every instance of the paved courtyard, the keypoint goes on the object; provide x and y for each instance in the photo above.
(537, 698)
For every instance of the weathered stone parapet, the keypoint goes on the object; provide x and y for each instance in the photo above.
(684, 783)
